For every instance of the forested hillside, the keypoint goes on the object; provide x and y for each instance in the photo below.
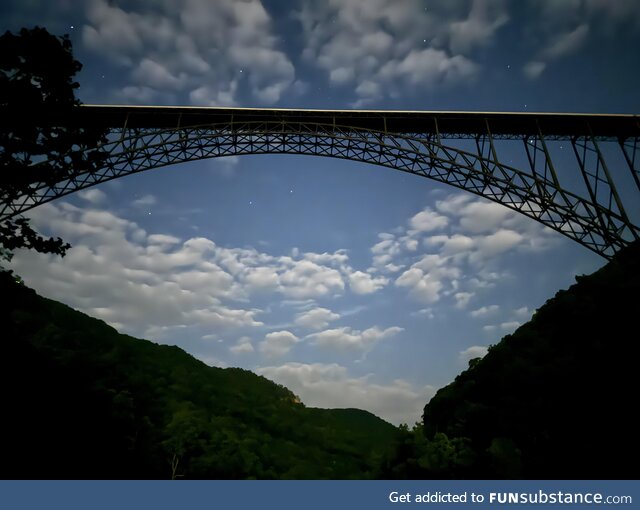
(556, 399)
(80, 400)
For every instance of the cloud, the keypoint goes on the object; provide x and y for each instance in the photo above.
(130, 278)
(510, 325)
(534, 69)
(504, 327)
(455, 264)
(386, 48)
(427, 284)
(485, 311)
(456, 243)
(278, 343)
(482, 216)
(364, 283)
(242, 346)
(303, 279)
(316, 318)
(462, 299)
(331, 386)
(347, 338)
(480, 26)
(558, 30)
(145, 201)
(428, 220)
(117, 272)
(385, 250)
(522, 313)
(162, 239)
(475, 351)
(567, 43)
(425, 312)
(168, 50)
(93, 196)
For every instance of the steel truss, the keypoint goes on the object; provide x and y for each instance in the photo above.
(598, 221)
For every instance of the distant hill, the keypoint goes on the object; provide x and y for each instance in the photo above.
(80, 400)
(556, 399)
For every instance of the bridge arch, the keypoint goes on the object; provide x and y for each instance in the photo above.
(599, 222)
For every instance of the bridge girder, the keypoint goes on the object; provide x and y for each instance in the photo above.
(145, 139)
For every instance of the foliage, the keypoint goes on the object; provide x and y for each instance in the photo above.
(83, 401)
(556, 399)
(36, 86)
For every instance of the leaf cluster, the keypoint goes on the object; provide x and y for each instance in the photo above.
(39, 145)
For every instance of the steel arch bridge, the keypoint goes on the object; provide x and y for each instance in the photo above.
(473, 151)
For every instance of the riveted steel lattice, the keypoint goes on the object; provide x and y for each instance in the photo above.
(428, 146)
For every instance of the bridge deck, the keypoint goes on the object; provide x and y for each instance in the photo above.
(417, 122)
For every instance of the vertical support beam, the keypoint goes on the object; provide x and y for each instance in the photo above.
(491, 145)
(548, 161)
(630, 148)
(124, 127)
(486, 151)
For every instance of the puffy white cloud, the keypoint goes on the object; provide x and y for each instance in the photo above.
(316, 318)
(242, 346)
(485, 311)
(169, 49)
(567, 43)
(478, 231)
(93, 196)
(364, 283)
(534, 69)
(145, 201)
(456, 243)
(425, 312)
(479, 28)
(498, 242)
(503, 328)
(475, 351)
(278, 343)
(510, 325)
(387, 47)
(428, 220)
(162, 239)
(130, 278)
(522, 313)
(462, 299)
(305, 279)
(560, 29)
(483, 216)
(385, 250)
(331, 386)
(347, 338)
(425, 287)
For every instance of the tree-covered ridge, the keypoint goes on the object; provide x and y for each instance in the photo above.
(81, 400)
(556, 399)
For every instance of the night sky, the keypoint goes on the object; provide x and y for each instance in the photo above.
(353, 285)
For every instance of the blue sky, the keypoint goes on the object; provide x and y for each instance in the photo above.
(353, 285)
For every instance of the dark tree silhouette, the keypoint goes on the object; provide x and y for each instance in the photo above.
(36, 84)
